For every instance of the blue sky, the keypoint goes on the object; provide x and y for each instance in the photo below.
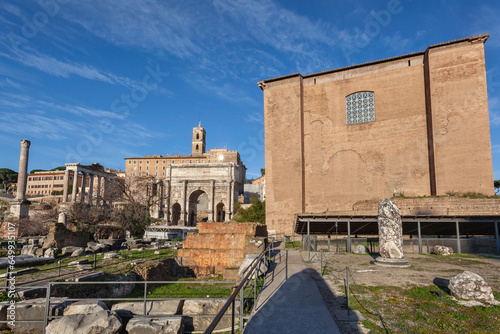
(98, 81)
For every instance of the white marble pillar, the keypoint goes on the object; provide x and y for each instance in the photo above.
(183, 202)
(75, 185)
(211, 200)
(228, 204)
(91, 188)
(65, 186)
(22, 176)
(84, 183)
(98, 197)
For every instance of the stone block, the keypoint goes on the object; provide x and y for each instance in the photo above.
(161, 325)
(166, 307)
(102, 322)
(85, 307)
(469, 285)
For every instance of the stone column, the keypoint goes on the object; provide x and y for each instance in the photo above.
(390, 233)
(183, 202)
(167, 201)
(75, 185)
(91, 188)
(22, 177)
(232, 197)
(65, 186)
(20, 207)
(228, 204)
(211, 199)
(82, 192)
(98, 198)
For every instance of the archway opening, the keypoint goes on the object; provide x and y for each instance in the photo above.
(198, 207)
(220, 212)
(176, 213)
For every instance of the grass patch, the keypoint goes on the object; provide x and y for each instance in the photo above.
(293, 244)
(420, 310)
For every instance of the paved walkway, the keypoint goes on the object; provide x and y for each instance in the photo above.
(290, 301)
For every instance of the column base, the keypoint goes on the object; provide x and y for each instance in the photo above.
(395, 263)
(20, 209)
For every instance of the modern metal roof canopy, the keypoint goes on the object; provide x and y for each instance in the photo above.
(368, 225)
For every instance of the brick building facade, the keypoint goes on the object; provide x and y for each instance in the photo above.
(415, 125)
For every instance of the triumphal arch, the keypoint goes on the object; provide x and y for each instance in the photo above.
(191, 188)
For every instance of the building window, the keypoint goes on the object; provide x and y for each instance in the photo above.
(182, 161)
(140, 174)
(140, 161)
(130, 162)
(164, 161)
(156, 173)
(360, 107)
(173, 161)
(202, 161)
(134, 174)
(140, 168)
(147, 161)
(190, 161)
(135, 162)
(156, 167)
(196, 161)
(147, 168)
(156, 161)
(163, 173)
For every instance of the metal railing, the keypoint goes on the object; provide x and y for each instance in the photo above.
(49, 289)
(246, 282)
(93, 263)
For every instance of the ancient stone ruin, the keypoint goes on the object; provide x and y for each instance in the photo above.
(390, 235)
(469, 285)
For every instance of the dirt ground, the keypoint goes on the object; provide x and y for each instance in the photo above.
(425, 270)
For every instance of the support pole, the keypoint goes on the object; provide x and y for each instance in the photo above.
(309, 239)
(242, 301)
(459, 248)
(329, 243)
(496, 236)
(419, 237)
(348, 236)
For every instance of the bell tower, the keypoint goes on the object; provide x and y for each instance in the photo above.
(199, 136)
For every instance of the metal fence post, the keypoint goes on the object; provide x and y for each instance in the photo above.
(242, 302)
(145, 295)
(8, 277)
(232, 316)
(321, 251)
(309, 239)
(347, 290)
(47, 308)
(95, 260)
(59, 270)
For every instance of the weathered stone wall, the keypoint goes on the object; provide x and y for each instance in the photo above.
(439, 206)
(460, 121)
(430, 135)
(220, 245)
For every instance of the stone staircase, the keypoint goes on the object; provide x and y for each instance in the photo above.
(218, 247)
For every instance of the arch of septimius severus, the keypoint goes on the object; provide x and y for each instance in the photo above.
(203, 183)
